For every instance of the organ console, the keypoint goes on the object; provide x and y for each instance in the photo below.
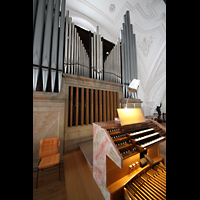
(126, 160)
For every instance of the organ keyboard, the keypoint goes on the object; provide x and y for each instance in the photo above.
(133, 139)
(117, 151)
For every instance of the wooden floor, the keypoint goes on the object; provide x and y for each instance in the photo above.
(76, 179)
(80, 183)
(49, 186)
(76, 183)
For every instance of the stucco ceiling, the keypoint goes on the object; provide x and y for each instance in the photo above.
(108, 14)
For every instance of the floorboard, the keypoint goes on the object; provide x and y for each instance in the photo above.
(49, 186)
(79, 181)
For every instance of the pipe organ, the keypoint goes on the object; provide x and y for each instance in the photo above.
(128, 54)
(58, 48)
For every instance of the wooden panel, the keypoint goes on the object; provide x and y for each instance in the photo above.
(114, 105)
(108, 106)
(114, 173)
(70, 106)
(111, 105)
(100, 105)
(153, 152)
(117, 99)
(91, 106)
(82, 106)
(96, 105)
(104, 105)
(87, 106)
(77, 106)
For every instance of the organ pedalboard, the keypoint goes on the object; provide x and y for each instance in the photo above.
(134, 168)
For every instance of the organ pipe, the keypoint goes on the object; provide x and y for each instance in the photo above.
(128, 54)
(47, 44)
(112, 65)
(55, 54)
(66, 42)
(37, 41)
(54, 47)
(61, 44)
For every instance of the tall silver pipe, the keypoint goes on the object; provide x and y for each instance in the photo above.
(47, 44)
(119, 61)
(95, 55)
(66, 42)
(101, 58)
(75, 31)
(128, 45)
(81, 60)
(128, 54)
(131, 53)
(77, 51)
(54, 45)
(98, 52)
(37, 40)
(135, 60)
(61, 36)
(79, 56)
(115, 63)
(123, 62)
(61, 44)
(72, 50)
(69, 46)
(92, 57)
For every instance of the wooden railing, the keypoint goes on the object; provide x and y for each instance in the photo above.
(91, 105)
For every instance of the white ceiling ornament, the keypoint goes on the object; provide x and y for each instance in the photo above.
(112, 8)
(145, 44)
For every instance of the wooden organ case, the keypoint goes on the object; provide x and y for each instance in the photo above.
(117, 151)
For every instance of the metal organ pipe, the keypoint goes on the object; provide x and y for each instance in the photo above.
(37, 41)
(54, 54)
(112, 65)
(54, 47)
(128, 54)
(66, 42)
(47, 44)
(61, 44)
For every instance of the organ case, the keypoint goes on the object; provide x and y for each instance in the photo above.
(116, 147)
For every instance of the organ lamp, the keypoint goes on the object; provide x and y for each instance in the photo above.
(130, 116)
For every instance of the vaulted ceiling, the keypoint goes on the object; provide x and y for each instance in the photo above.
(149, 24)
